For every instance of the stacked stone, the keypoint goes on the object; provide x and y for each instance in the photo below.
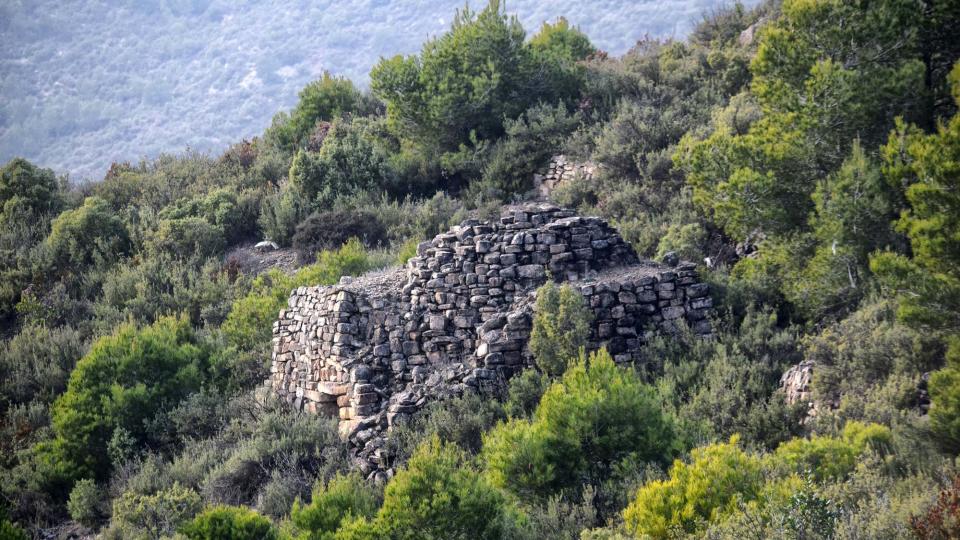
(316, 342)
(560, 171)
(378, 348)
(632, 308)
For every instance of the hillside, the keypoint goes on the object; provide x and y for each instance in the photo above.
(86, 84)
(508, 285)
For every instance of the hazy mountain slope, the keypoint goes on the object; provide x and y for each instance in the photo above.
(86, 83)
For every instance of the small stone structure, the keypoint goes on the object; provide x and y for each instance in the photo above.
(374, 349)
(561, 171)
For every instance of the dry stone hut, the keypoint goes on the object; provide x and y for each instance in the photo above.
(374, 349)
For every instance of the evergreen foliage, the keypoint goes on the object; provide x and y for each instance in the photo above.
(230, 523)
(343, 499)
(561, 326)
(596, 416)
(440, 495)
(122, 382)
(718, 477)
(806, 151)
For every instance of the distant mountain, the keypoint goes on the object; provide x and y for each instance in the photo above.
(85, 83)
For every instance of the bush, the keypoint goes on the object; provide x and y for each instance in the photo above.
(36, 364)
(703, 491)
(27, 190)
(524, 393)
(562, 519)
(828, 458)
(125, 379)
(280, 214)
(529, 142)
(229, 523)
(343, 499)
(222, 208)
(87, 235)
(460, 420)
(727, 386)
(248, 326)
(943, 519)
(465, 81)
(187, 237)
(9, 531)
(348, 162)
(162, 285)
(325, 99)
(561, 326)
(596, 416)
(440, 495)
(240, 464)
(156, 515)
(330, 230)
(861, 359)
(84, 503)
(945, 401)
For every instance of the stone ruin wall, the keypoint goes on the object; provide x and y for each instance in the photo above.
(374, 349)
(561, 171)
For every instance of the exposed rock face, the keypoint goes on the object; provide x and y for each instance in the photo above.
(795, 383)
(373, 349)
(561, 171)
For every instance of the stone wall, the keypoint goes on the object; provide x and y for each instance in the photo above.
(560, 170)
(374, 349)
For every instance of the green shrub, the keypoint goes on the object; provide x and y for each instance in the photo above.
(524, 393)
(87, 235)
(440, 495)
(529, 142)
(330, 230)
(461, 420)
(36, 364)
(561, 326)
(829, 458)
(407, 251)
(84, 503)
(868, 366)
(727, 386)
(464, 81)
(324, 99)
(686, 240)
(705, 490)
(125, 379)
(348, 162)
(945, 401)
(280, 214)
(562, 518)
(240, 463)
(156, 515)
(229, 523)
(343, 499)
(27, 190)
(165, 284)
(234, 216)
(595, 416)
(10, 531)
(187, 237)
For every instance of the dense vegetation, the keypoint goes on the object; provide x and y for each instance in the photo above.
(813, 168)
(84, 84)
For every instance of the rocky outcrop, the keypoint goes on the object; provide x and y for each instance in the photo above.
(374, 349)
(795, 383)
(560, 171)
